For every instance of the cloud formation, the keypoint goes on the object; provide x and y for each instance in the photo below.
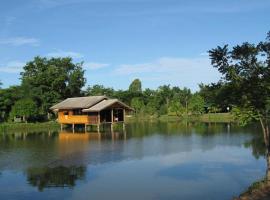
(94, 65)
(12, 67)
(19, 41)
(60, 53)
(188, 72)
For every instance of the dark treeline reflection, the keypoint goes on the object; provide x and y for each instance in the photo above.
(61, 176)
(143, 129)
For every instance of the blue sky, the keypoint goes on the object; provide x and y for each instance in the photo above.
(158, 41)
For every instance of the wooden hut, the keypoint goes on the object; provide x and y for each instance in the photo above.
(91, 110)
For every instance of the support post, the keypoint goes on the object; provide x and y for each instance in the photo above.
(73, 128)
(111, 127)
(61, 127)
(112, 116)
(124, 115)
(85, 128)
(124, 126)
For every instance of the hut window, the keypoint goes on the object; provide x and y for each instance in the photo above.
(77, 112)
(66, 113)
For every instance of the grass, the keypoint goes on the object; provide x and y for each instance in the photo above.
(217, 117)
(211, 117)
(10, 127)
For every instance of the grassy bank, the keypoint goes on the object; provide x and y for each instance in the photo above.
(211, 118)
(10, 127)
(257, 191)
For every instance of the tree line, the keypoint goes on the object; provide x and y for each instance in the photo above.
(45, 82)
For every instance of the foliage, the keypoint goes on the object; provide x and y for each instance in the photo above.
(137, 104)
(135, 86)
(48, 81)
(24, 108)
(246, 78)
(196, 104)
(99, 90)
(7, 99)
(177, 108)
(244, 115)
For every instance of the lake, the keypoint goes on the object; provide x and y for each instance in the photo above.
(149, 160)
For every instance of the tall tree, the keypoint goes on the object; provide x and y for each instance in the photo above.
(25, 108)
(135, 86)
(246, 70)
(8, 97)
(49, 80)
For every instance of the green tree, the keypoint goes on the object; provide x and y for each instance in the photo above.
(164, 96)
(99, 90)
(8, 97)
(246, 70)
(25, 108)
(48, 81)
(196, 104)
(177, 108)
(137, 104)
(135, 86)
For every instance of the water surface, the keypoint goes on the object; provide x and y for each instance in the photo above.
(150, 160)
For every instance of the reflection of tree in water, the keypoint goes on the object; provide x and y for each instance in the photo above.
(258, 146)
(55, 177)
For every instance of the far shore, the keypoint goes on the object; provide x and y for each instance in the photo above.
(53, 125)
(207, 118)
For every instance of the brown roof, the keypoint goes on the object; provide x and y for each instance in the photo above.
(105, 104)
(78, 102)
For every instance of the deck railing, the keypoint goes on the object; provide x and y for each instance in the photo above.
(78, 119)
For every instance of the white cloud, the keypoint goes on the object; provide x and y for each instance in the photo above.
(94, 65)
(204, 54)
(19, 41)
(61, 53)
(12, 67)
(188, 72)
(165, 65)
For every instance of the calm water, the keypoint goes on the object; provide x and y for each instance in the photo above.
(149, 161)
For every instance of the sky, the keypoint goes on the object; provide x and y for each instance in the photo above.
(158, 41)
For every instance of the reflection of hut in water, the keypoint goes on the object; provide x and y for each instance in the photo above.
(55, 177)
(89, 136)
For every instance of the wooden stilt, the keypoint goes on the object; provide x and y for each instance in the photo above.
(85, 128)
(61, 127)
(73, 128)
(112, 127)
(125, 135)
(98, 128)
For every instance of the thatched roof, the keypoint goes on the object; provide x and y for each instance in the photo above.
(78, 102)
(105, 104)
(89, 104)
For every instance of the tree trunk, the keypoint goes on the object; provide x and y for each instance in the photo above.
(265, 128)
(268, 167)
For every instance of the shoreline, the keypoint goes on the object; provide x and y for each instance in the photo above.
(53, 125)
(259, 190)
(205, 118)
